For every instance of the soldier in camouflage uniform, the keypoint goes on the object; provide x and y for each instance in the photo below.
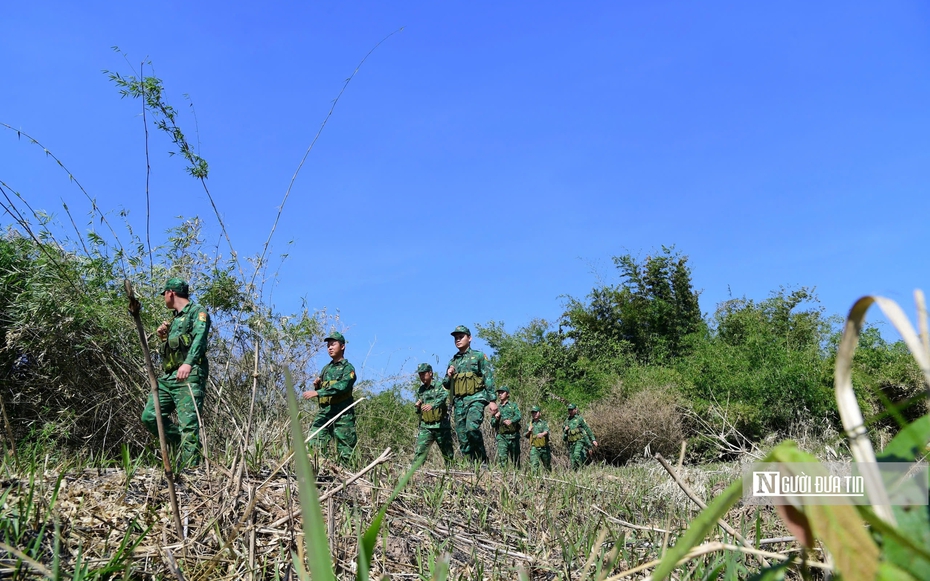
(334, 390)
(506, 421)
(538, 434)
(433, 408)
(471, 381)
(578, 436)
(184, 372)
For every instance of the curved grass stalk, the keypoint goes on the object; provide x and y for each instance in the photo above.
(851, 415)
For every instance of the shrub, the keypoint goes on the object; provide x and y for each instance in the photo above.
(627, 428)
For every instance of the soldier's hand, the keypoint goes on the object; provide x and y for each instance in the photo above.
(162, 330)
(183, 372)
(506, 422)
(451, 371)
(309, 394)
(417, 403)
(317, 382)
(426, 408)
(595, 443)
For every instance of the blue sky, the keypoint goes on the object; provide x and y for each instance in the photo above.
(493, 156)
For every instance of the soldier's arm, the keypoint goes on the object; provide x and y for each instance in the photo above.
(487, 372)
(517, 416)
(199, 332)
(447, 380)
(588, 432)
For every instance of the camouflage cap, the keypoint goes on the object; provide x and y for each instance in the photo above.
(461, 329)
(504, 388)
(424, 367)
(535, 409)
(572, 406)
(336, 336)
(177, 285)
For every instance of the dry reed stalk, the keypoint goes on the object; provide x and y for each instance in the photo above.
(687, 490)
(134, 309)
(628, 525)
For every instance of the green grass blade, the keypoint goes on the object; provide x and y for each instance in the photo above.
(703, 524)
(321, 566)
(366, 545)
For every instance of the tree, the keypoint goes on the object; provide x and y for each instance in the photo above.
(648, 315)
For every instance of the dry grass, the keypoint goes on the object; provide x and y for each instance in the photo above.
(646, 423)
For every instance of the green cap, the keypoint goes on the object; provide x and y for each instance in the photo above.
(424, 367)
(504, 388)
(572, 406)
(461, 329)
(175, 284)
(336, 336)
(535, 409)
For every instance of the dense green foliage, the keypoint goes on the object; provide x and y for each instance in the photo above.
(751, 370)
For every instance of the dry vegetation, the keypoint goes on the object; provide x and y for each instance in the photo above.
(490, 525)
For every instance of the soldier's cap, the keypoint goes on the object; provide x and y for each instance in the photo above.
(504, 388)
(424, 367)
(177, 285)
(461, 329)
(535, 409)
(572, 406)
(336, 336)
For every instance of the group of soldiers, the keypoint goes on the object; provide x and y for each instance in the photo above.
(469, 382)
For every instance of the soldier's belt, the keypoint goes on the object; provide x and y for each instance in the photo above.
(538, 442)
(466, 383)
(334, 399)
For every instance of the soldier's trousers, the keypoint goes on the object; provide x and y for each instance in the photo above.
(508, 449)
(540, 457)
(185, 398)
(342, 430)
(578, 454)
(468, 418)
(442, 435)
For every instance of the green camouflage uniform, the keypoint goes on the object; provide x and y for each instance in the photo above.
(186, 343)
(508, 437)
(434, 424)
(472, 388)
(335, 395)
(579, 438)
(540, 452)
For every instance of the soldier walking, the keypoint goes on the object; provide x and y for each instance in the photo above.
(506, 421)
(471, 381)
(578, 436)
(184, 364)
(538, 434)
(432, 406)
(334, 390)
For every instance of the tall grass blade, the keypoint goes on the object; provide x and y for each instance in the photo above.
(321, 567)
(366, 545)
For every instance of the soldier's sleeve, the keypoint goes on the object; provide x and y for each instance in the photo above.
(199, 332)
(564, 432)
(543, 426)
(517, 416)
(587, 429)
(490, 391)
(447, 380)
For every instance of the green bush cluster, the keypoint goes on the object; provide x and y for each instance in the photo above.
(752, 370)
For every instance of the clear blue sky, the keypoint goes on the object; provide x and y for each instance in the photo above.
(493, 156)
